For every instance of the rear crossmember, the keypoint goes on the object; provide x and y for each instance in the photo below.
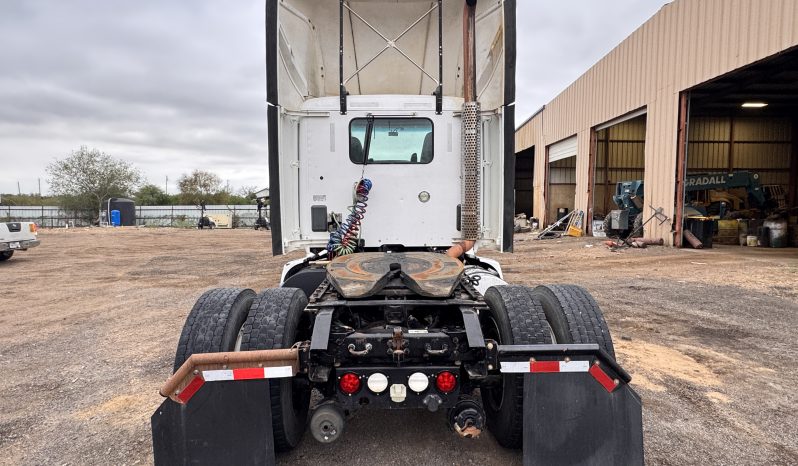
(578, 406)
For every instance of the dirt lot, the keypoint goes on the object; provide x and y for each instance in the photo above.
(89, 322)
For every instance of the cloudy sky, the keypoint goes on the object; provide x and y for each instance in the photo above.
(176, 85)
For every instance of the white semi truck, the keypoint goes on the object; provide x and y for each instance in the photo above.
(391, 163)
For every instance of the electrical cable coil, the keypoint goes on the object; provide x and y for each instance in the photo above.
(345, 239)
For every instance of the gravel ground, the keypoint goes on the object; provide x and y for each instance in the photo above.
(89, 322)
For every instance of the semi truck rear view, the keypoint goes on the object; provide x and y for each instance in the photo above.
(391, 164)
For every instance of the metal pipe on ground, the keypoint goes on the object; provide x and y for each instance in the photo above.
(650, 241)
(693, 240)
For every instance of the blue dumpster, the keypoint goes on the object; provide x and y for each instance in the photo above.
(116, 218)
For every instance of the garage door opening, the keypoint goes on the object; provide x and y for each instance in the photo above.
(619, 151)
(742, 157)
(524, 175)
(561, 179)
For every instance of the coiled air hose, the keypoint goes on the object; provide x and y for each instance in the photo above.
(345, 239)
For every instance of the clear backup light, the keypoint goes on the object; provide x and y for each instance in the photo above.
(418, 382)
(377, 382)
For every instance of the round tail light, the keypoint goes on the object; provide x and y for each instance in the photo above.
(446, 381)
(349, 383)
(418, 382)
(377, 382)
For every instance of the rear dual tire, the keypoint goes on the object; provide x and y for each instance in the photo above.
(519, 315)
(233, 319)
(213, 324)
(276, 321)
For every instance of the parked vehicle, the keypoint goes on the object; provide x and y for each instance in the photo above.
(394, 309)
(17, 236)
(205, 221)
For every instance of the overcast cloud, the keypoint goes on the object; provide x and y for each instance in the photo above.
(176, 86)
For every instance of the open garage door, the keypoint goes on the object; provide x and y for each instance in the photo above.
(524, 180)
(561, 179)
(742, 157)
(619, 153)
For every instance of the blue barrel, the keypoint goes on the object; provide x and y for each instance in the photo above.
(116, 218)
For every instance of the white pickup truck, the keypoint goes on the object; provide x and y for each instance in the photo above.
(16, 236)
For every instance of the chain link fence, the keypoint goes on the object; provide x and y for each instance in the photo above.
(178, 216)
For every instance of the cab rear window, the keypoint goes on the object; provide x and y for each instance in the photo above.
(393, 141)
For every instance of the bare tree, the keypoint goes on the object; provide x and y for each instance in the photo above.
(247, 192)
(199, 186)
(92, 175)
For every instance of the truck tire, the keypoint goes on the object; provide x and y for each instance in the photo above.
(515, 318)
(574, 315)
(213, 324)
(6, 255)
(277, 320)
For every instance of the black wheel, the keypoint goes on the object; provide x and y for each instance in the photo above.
(608, 231)
(574, 315)
(213, 324)
(6, 255)
(515, 318)
(277, 320)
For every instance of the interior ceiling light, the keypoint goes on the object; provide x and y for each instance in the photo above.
(754, 104)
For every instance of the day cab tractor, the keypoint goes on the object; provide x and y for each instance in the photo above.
(391, 183)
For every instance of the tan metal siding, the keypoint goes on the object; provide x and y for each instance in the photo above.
(686, 43)
(762, 145)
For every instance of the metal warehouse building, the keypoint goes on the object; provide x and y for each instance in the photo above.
(667, 102)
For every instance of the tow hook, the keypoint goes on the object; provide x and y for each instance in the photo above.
(355, 352)
(467, 417)
(397, 346)
(437, 352)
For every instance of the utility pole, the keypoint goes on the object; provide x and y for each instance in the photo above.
(19, 190)
(40, 186)
(166, 186)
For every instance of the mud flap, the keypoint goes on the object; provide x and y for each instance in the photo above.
(571, 418)
(223, 423)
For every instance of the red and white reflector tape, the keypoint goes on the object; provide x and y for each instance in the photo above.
(222, 375)
(249, 373)
(542, 367)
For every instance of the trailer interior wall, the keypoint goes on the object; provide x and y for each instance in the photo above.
(686, 43)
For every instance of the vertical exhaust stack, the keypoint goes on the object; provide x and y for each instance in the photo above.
(471, 138)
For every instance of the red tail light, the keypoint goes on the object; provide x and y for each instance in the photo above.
(446, 381)
(349, 383)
